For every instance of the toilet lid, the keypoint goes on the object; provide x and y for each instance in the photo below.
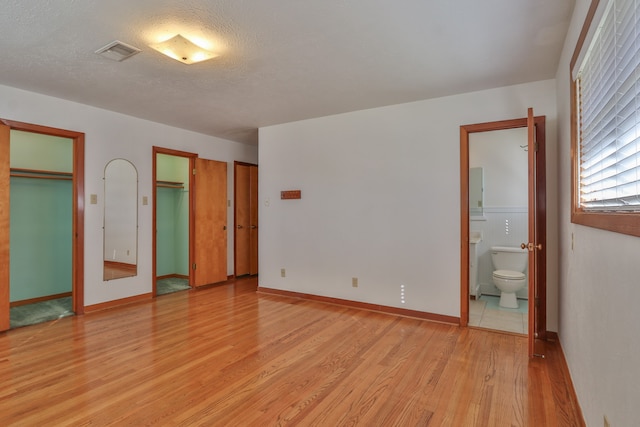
(508, 274)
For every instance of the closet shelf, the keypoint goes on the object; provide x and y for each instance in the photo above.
(170, 184)
(40, 174)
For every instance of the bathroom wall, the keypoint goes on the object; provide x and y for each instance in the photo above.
(505, 220)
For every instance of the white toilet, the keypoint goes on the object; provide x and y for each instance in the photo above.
(509, 277)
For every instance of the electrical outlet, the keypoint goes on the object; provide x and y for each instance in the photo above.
(283, 272)
(354, 282)
(606, 422)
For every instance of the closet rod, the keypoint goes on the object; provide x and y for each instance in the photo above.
(40, 174)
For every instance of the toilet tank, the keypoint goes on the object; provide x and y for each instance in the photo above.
(509, 258)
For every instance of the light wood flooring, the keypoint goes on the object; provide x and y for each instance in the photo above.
(228, 356)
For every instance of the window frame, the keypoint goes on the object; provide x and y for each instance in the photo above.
(619, 222)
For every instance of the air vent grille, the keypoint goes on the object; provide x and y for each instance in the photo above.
(118, 51)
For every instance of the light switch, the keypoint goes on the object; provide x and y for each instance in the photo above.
(93, 199)
(145, 200)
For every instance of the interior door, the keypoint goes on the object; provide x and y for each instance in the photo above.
(537, 234)
(537, 227)
(210, 213)
(4, 227)
(242, 220)
(253, 220)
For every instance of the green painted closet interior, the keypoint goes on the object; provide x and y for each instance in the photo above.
(41, 217)
(172, 217)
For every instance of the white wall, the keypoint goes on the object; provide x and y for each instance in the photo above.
(110, 135)
(599, 289)
(380, 199)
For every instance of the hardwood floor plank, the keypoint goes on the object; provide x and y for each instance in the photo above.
(227, 355)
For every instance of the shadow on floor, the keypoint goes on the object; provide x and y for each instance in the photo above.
(44, 311)
(171, 284)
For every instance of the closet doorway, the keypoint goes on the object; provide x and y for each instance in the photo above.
(41, 220)
(245, 219)
(190, 221)
(173, 183)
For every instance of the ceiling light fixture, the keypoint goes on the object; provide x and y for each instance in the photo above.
(183, 50)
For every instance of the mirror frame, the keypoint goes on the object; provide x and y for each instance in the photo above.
(120, 265)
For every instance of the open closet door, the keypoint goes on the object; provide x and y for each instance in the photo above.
(210, 221)
(4, 227)
(537, 233)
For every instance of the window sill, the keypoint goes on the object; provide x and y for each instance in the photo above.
(622, 222)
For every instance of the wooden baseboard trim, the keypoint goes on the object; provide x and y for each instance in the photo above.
(39, 299)
(564, 371)
(364, 306)
(172, 276)
(117, 303)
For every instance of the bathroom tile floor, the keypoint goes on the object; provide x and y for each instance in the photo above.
(486, 313)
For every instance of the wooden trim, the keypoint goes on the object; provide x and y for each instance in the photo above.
(154, 226)
(172, 276)
(117, 303)
(464, 224)
(40, 299)
(363, 306)
(618, 222)
(583, 34)
(78, 139)
(5, 197)
(79, 203)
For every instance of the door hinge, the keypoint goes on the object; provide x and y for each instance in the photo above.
(194, 171)
(193, 266)
(537, 301)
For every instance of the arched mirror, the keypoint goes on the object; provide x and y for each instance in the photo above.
(120, 220)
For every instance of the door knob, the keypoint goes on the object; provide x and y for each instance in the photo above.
(253, 227)
(240, 228)
(531, 246)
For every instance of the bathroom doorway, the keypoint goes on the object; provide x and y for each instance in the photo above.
(512, 224)
(42, 209)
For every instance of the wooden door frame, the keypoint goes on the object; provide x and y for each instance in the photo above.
(541, 229)
(235, 207)
(191, 157)
(77, 246)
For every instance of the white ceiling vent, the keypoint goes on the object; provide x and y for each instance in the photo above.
(118, 51)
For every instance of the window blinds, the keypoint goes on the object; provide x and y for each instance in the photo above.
(609, 106)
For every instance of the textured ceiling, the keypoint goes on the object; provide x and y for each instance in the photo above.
(280, 60)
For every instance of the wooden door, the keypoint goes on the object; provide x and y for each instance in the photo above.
(4, 227)
(253, 220)
(242, 219)
(246, 219)
(210, 217)
(537, 234)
